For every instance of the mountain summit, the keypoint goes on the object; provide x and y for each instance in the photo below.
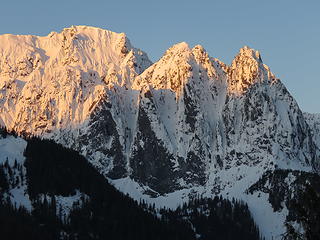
(247, 69)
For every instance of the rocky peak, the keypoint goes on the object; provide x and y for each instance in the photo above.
(246, 51)
(247, 69)
(170, 71)
(181, 65)
(199, 53)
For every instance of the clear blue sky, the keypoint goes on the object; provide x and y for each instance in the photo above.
(287, 33)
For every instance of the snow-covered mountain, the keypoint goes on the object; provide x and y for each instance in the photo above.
(54, 82)
(186, 124)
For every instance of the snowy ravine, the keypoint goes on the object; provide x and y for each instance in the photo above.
(187, 124)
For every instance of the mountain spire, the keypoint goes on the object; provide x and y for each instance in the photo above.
(247, 69)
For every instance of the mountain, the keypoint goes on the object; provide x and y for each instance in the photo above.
(66, 72)
(167, 131)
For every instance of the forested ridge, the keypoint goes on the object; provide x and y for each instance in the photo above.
(104, 212)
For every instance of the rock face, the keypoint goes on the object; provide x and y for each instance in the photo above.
(313, 120)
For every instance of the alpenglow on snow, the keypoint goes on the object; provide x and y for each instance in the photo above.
(186, 124)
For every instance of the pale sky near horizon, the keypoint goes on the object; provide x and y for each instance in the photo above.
(287, 33)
